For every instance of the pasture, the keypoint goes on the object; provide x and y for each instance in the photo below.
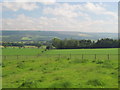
(32, 68)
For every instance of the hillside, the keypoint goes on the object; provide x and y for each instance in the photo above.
(48, 35)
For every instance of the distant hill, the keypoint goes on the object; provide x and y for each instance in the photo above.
(48, 35)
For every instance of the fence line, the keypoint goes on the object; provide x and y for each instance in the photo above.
(60, 54)
(83, 56)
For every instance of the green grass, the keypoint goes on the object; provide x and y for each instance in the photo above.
(21, 51)
(35, 51)
(54, 71)
(84, 51)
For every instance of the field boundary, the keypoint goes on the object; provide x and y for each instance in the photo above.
(59, 56)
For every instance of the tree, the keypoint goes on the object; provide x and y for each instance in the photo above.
(4, 45)
(38, 45)
(20, 45)
(56, 42)
(105, 43)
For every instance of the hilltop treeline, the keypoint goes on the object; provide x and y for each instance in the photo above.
(21, 44)
(68, 44)
(77, 44)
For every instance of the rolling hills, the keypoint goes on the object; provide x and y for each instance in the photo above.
(48, 35)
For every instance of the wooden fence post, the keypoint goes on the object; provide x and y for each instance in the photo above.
(95, 57)
(82, 56)
(70, 56)
(108, 56)
(5, 57)
(38, 55)
(26, 56)
(17, 56)
(59, 56)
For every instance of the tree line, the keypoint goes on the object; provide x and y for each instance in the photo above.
(77, 44)
(20, 44)
(68, 44)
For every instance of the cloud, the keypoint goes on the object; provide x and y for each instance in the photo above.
(64, 10)
(66, 17)
(15, 6)
(98, 9)
(23, 22)
(77, 10)
(29, 5)
(46, 2)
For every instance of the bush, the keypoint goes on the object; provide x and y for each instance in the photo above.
(20, 65)
(28, 84)
(99, 62)
(3, 65)
(95, 82)
(63, 84)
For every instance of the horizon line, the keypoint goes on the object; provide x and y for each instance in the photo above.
(58, 31)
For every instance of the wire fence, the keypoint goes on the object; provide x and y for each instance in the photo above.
(64, 56)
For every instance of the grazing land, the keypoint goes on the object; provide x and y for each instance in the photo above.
(35, 51)
(22, 51)
(67, 68)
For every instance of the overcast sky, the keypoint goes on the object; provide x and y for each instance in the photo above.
(60, 16)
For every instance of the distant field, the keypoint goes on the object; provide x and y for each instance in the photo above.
(59, 68)
(36, 51)
(84, 51)
(22, 51)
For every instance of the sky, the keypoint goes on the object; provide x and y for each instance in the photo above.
(60, 16)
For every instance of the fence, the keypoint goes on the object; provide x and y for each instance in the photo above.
(64, 56)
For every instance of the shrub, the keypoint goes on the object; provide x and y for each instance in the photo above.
(95, 82)
(63, 84)
(31, 69)
(20, 65)
(3, 65)
(99, 62)
(28, 84)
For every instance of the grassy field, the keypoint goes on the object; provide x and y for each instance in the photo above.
(36, 51)
(84, 51)
(22, 51)
(60, 68)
